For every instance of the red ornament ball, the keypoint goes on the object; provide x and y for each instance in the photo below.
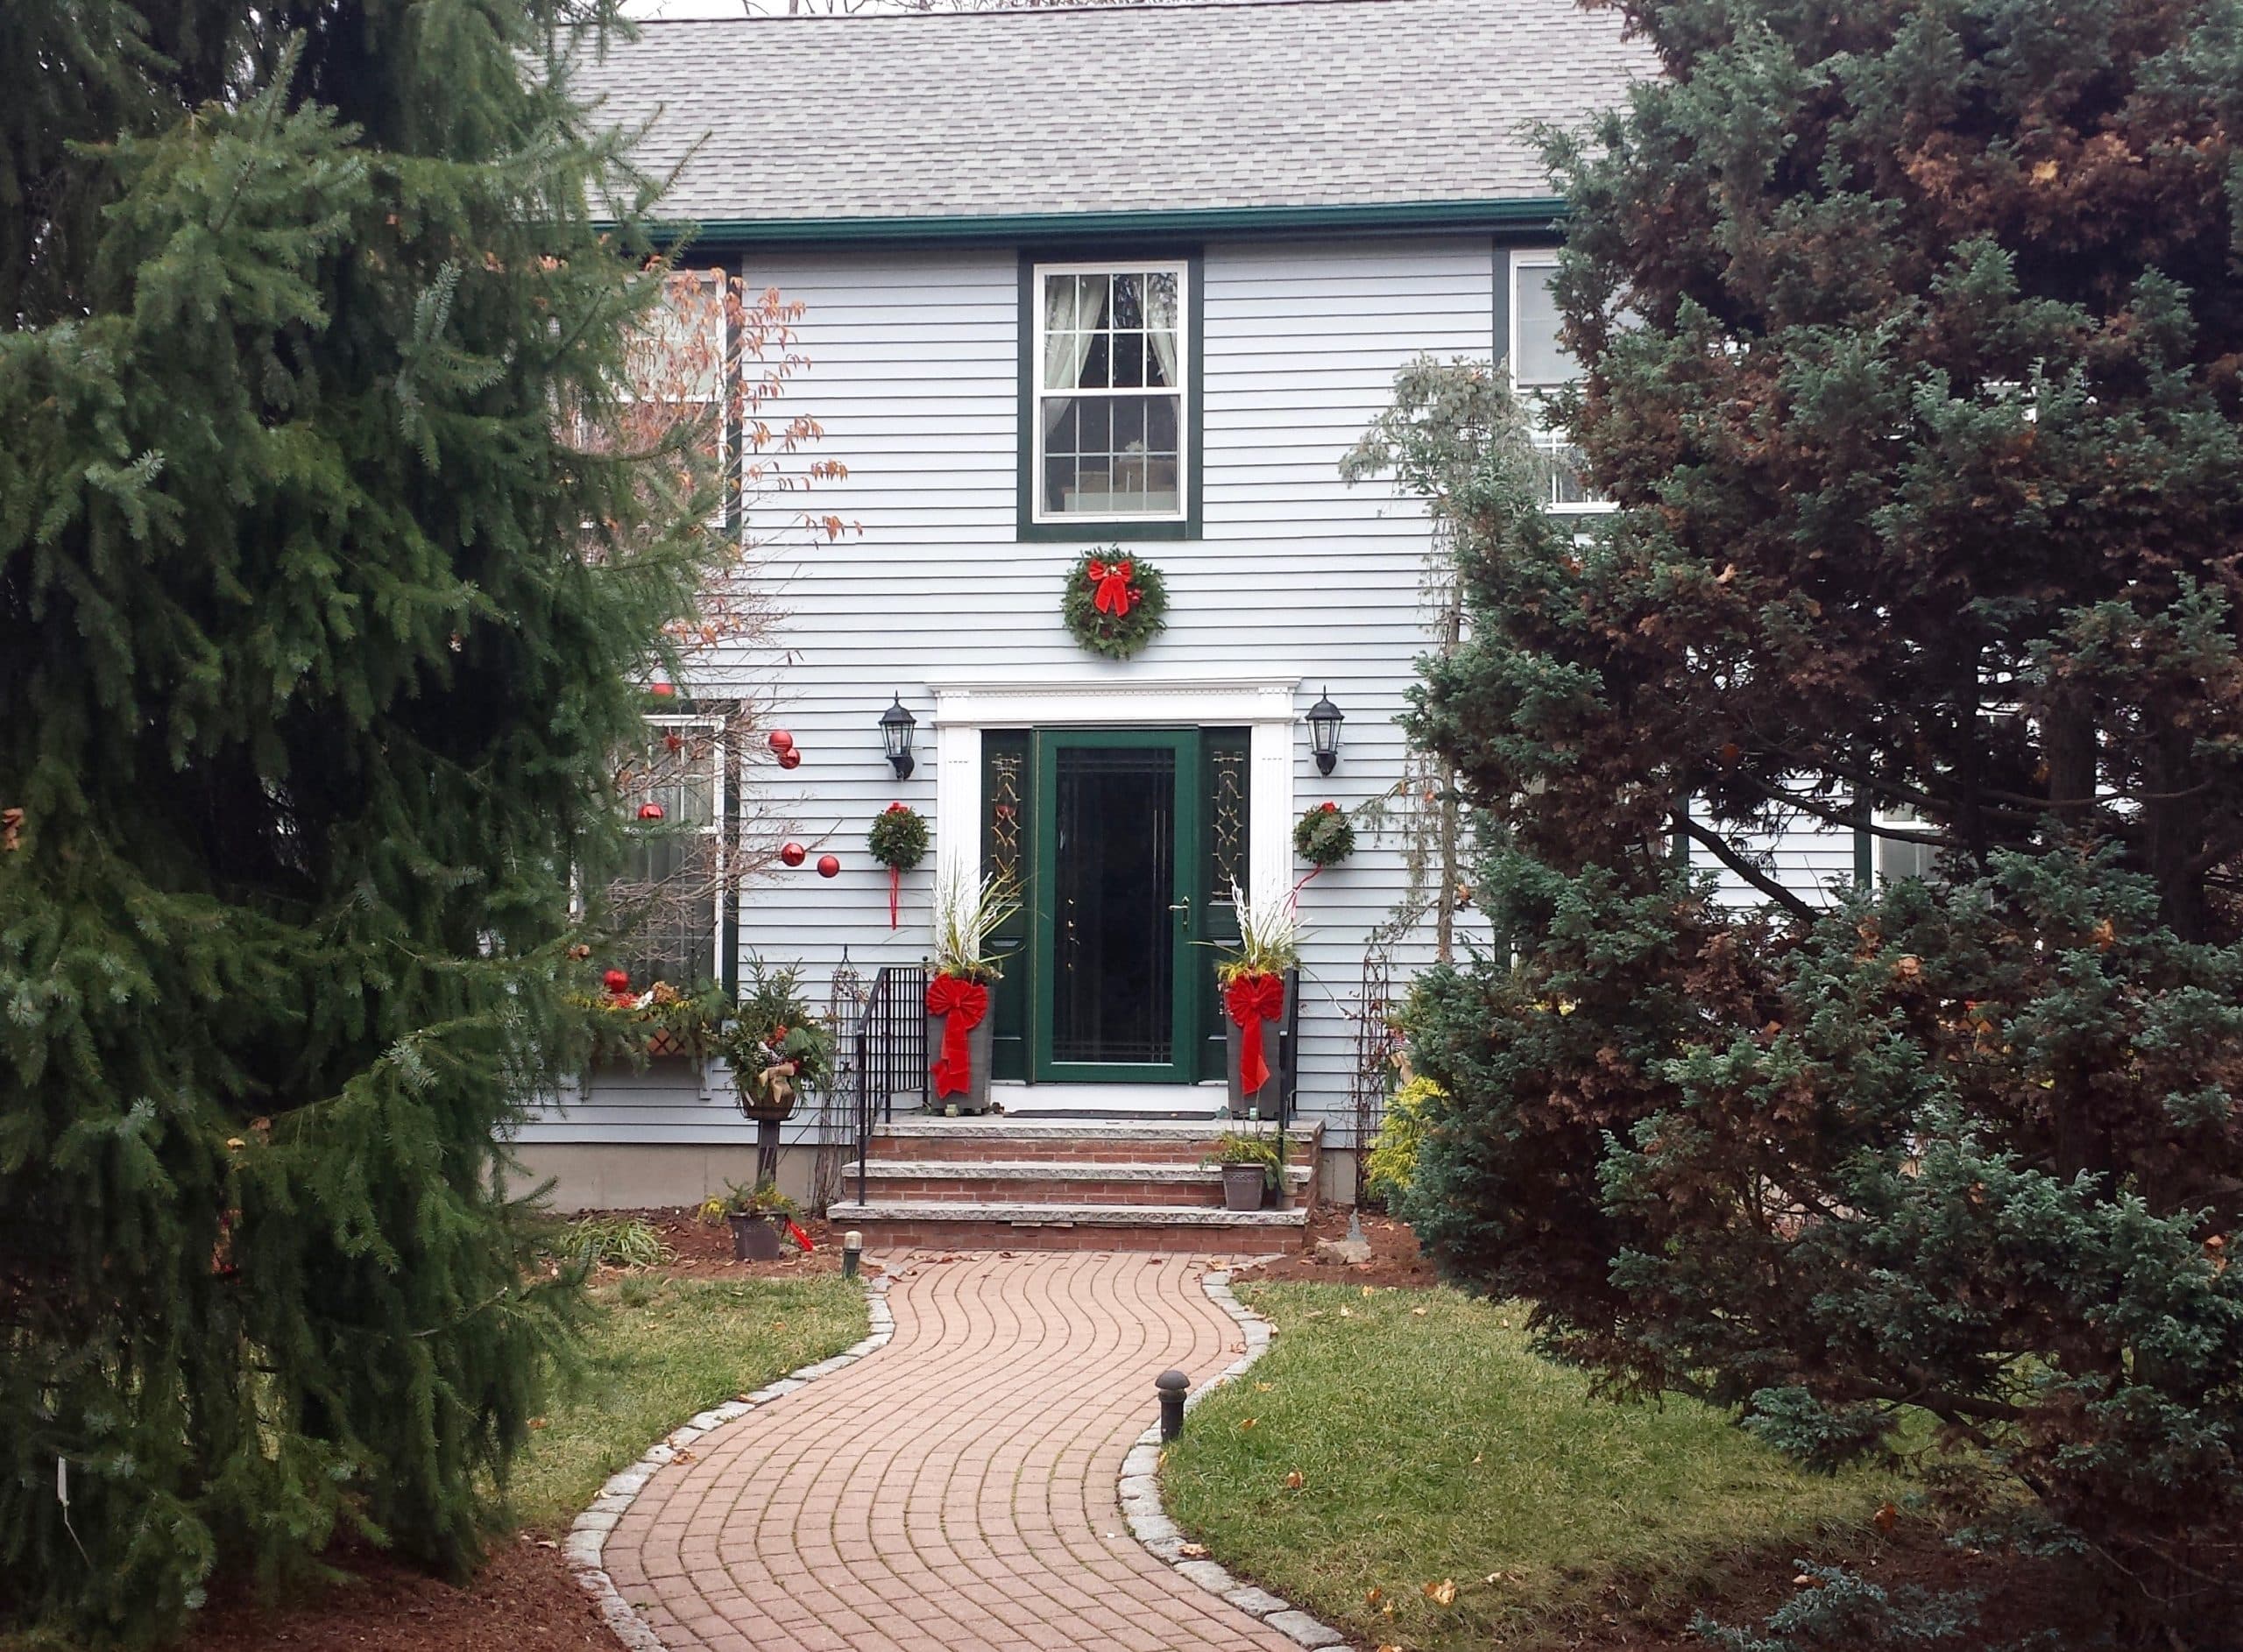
(829, 865)
(793, 854)
(790, 759)
(779, 740)
(616, 980)
(662, 690)
(650, 811)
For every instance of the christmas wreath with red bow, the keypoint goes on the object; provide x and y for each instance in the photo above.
(1114, 604)
(1324, 836)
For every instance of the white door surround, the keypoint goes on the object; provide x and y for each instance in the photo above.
(1263, 705)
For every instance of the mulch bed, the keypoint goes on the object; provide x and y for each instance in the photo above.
(1395, 1259)
(525, 1598)
(701, 1251)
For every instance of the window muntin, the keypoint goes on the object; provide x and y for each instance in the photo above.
(1539, 363)
(667, 891)
(1111, 359)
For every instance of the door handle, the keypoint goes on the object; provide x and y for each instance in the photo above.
(1184, 905)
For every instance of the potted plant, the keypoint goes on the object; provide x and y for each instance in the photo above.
(756, 1215)
(1253, 1165)
(967, 909)
(1257, 984)
(774, 1044)
(660, 1022)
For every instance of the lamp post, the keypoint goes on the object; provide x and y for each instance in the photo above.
(897, 725)
(1324, 721)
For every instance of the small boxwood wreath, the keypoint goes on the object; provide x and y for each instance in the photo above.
(1114, 604)
(1324, 836)
(899, 838)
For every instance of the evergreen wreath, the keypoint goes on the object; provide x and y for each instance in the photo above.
(1114, 604)
(899, 838)
(1324, 836)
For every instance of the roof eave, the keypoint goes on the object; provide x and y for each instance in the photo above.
(1507, 212)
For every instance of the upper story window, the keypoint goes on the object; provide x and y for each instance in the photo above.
(1109, 414)
(1539, 363)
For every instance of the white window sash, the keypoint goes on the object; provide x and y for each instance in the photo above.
(1181, 392)
(1546, 439)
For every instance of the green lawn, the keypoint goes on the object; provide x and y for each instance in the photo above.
(1432, 1447)
(661, 1350)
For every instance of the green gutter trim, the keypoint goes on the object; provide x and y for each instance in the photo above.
(1537, 210)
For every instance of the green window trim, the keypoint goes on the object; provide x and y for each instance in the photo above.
(1121, 531)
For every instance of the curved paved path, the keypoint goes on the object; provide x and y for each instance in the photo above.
(953, 1492)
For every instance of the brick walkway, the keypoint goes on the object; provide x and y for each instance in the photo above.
(954, 1493)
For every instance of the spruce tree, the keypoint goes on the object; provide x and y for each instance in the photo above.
(1911, 336)
(320, 600)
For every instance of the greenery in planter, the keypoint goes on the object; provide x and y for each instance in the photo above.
(626, 1026)
(967, 909)
(1268, 935)
(1324, 835)
(740, 1198)
(773, 1040)
(1252, 1148)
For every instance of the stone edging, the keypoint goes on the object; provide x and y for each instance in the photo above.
(1163, 1538)
(588, 1533)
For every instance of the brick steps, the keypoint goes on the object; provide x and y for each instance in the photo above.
(1065, 1184)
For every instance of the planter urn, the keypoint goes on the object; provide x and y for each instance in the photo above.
(1244, 1187)
(1263, 1101)
(976, 1040)
(755, 1239)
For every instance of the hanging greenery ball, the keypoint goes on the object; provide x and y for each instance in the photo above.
(1324, 835)
(899, 838)
(1114, 604)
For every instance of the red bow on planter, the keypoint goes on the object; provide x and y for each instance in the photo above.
(1113, 581)
(1251, 1001)
(961, 1004)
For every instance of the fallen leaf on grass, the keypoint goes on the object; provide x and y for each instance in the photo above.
(1887, 1516)
(1368, 1291)
(1419, 1312)
(1264, 1387)
(1248, 1423)
(1192, 1552)
(1294, 1481)
(1442, 1593)
(1373, 1595)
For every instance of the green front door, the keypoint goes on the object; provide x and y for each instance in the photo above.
(1115, 905)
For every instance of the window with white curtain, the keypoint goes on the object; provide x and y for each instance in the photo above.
(1539, 363)
(1109, 422)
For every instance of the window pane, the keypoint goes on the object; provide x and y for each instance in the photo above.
(1129, 300)
(1093, 373)
(1112, 455)
(1540, 361)
(1129, 360)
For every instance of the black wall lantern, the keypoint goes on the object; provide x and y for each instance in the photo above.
(1324, 721)
(895, 727)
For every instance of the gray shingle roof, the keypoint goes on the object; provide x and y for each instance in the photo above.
(1302, 104)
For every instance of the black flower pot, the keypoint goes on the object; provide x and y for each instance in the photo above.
(755, 1239)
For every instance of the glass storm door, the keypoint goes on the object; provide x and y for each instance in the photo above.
(1117, 838)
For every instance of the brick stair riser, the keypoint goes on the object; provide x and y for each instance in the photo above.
(975, 1150)
(1006, 1236)
(1016, 1191)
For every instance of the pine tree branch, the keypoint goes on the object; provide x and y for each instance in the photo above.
(1744, 869)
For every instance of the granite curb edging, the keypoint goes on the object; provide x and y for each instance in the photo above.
(587, 1539)
(1164, 1539)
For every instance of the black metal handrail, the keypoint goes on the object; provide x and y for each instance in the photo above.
(890, 1053)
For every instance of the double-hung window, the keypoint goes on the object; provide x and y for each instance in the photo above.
(1109, 415)
(1540, 364)
(667, 894)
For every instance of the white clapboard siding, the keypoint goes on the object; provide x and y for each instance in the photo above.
(914, 376)
(1802, 853)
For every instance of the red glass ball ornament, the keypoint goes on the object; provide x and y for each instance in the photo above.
(790, 759)
(650, 811)
(616, 980)
(829, 865)
(779, 740)
(793, 854)
(662, 690)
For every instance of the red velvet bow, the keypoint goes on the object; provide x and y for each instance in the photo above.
(1251, 1001)
(961, 1004)
(1113, 581)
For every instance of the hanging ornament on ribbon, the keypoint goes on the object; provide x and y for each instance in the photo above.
(790, 759)
(1114, 604)
(899, 843)
(650, 811)
(793, 854)
(779, 740)
(829, 865)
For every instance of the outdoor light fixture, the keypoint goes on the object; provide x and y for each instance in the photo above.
(1324, 721)
(896, 726)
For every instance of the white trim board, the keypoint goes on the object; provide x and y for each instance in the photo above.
(1268, 706)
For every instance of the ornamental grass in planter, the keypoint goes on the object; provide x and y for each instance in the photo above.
(1253, 1166)
(967, 910)
(759, 1218)
(1257, 984)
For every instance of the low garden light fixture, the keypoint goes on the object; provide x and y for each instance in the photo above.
(895, 728)
(1324, 721)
